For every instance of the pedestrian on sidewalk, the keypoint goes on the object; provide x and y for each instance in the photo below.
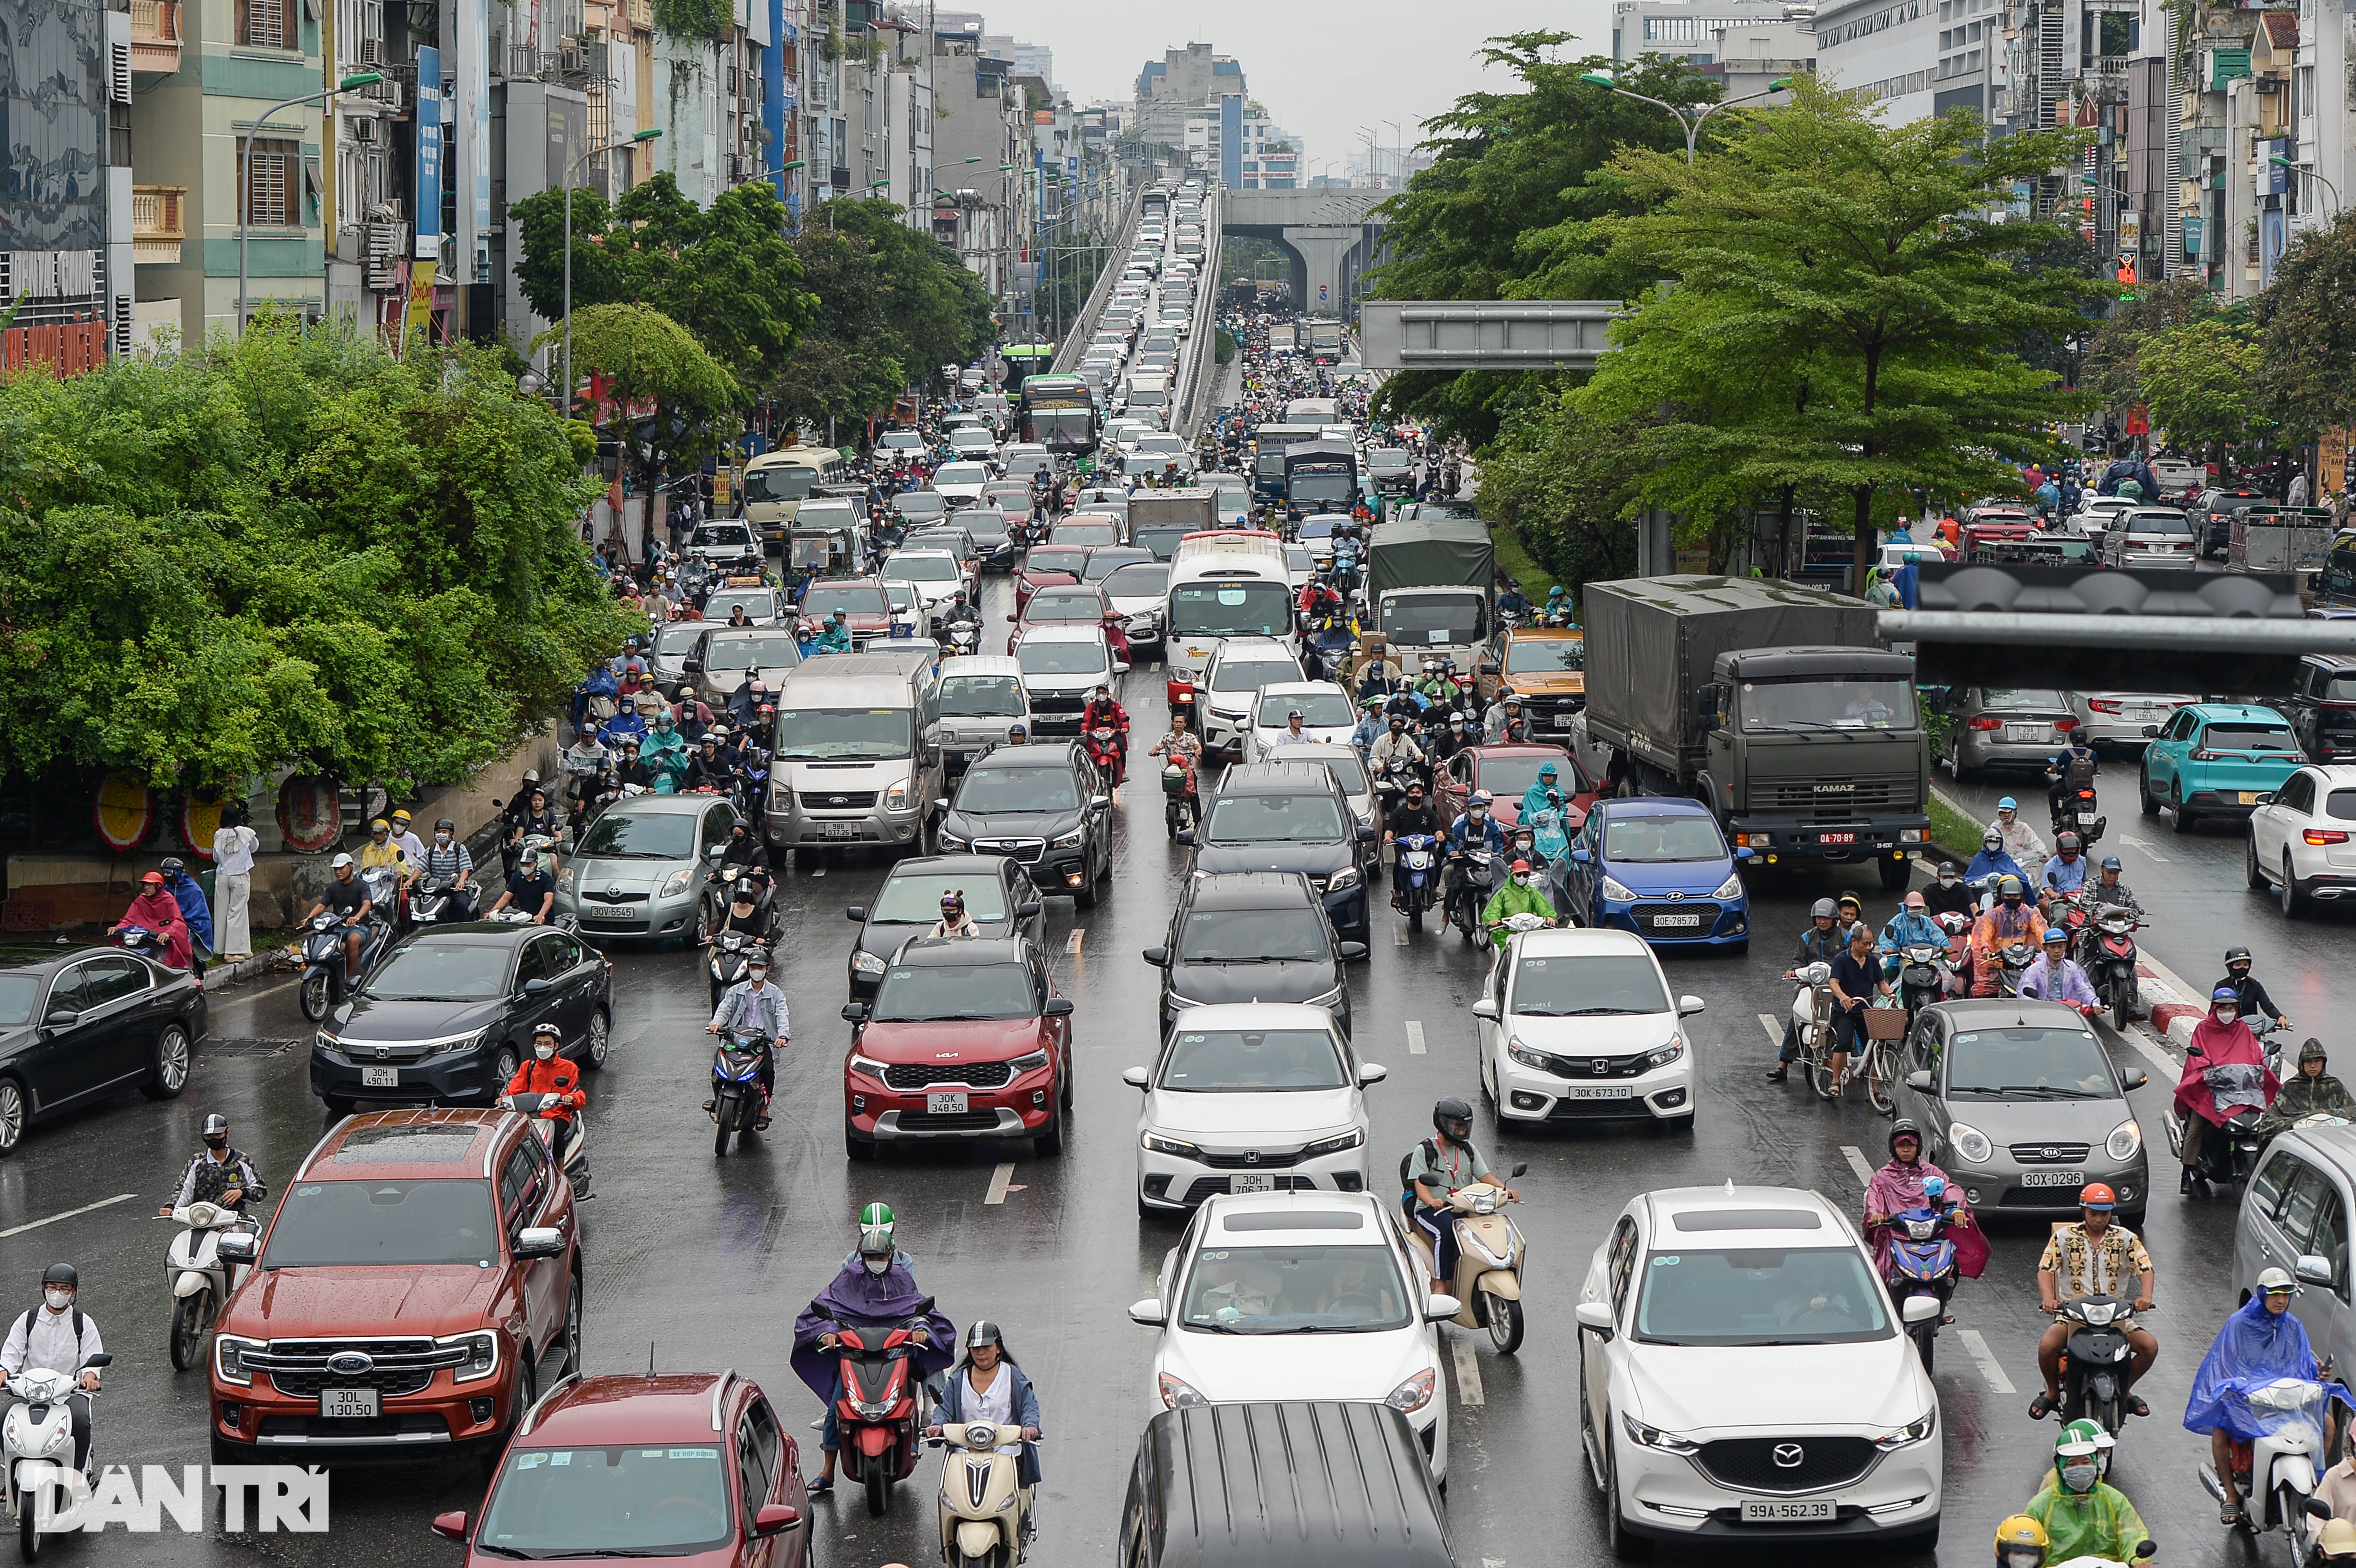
(233, 847)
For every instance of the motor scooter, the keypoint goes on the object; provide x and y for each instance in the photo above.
(2096, 1361)
(1415, 875)
(1106, 750)
(1181, 803)
(736, 1100)
(1922, 977)
(1813, 1005)
(324, 983)
(877, 1417)
(2107, 952)
(201, 1278)
(545, 1112)
(985, 1511)
(36, 1446)
(1473, 876)
(739, 892)
(1490, 1253)
(2283, 1465)
(724, 960)
(2012, 961)
(1922, 1262)
(2229, 1151)
(439, 901)
(148, 944)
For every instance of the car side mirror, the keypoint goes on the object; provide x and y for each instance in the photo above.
(1581, 856)
(539, 1241)
(854, 1012)
(774, 1519)
(941, 803)
(63, 1018)
(1486, 1009)
(1690, 1005)
(1919, 1309)
(2266, 799)
(1059, 1007)
(1100, 802)
(1136, 1077)
(1186, 836)
(1352, 951)
(692, 667)
(1157, 957)
(1488, 667)
(1120, 666)
(1706, 703)
(1365, 833)
(716, 853)
(237, 1245)
(2312, 1269)
(451, 1526)
(1919, 1081)
(1147, 1313)
(1440, 1308)
(1742, 852)
(1030, 907)
(1372, 1072)
(538, 986)
(1594, 1318)
(2137, 1078)
(856, 914)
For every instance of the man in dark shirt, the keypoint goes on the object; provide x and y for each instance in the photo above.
(348, 896)
(1950, 894)
(1857, 975)
(530, 888)
(630, 769)
(2256, 1003)
(1410, 816)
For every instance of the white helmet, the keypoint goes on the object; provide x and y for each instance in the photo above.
(341, 862)
(2274, 1280)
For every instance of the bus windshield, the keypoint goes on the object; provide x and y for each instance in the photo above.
(1259, 607)
(784, 482)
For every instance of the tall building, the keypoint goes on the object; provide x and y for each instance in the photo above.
(66, 192)
(1685, 30)
(1181, 84)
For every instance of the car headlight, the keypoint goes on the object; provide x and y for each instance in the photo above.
(1617, 893)
(1730, 888)
(564, 879)
(1068, 841)
(781, 796)
(1177, 1393)
(675, 883)
(1328, 999)
(455, 1043)
(867, 1065)
(1654, 1437)
(1911, 836)
(1972, 1145)
(1178, 1146)
(1029, 1061)
(895, 798)
(1913, 1432)
(1666, 1054)
(949, 841)
(1349, 1140)
(229, 1359)
(2125, 1140)
(325, 1041)
(1521, 1053)
(1138, 624)
(1413, 1394)
(867, 963)
(482, 1349)
(1342, 880)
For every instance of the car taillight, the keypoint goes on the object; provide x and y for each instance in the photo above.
(2104, 705)
(2208, 756)
(1984, 723)
(2324, 835)
(2065, 726)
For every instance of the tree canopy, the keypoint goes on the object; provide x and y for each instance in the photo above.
(2307, 334)
(666, 404)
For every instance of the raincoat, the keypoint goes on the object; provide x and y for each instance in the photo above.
(1897, 1188)
(2001, 863)
(158, 911)
(2235, 1387)
(197, 913)
(2304, 1096)
(857, 1299)
(665, 752)
(2214, 1046)
(2100, 1524)
(1509, 900)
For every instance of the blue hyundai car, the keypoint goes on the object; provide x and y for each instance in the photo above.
(1657, 866)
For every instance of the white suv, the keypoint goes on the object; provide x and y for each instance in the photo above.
(1577, 1026)
(1743, 1378)
(2302, 842)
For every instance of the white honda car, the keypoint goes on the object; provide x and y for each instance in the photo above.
(1577, 1026)
(1301, 1295)
(1326, 715)
(1744, 1381)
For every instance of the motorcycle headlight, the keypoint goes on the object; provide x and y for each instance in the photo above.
(675, 883)
(1178, 1146)
(1068, 841)
(1655, 1437)
(1617, 893)
(1029, 1061)
(867, 963)
(1914, 1431)
(1342, 880)
(2125, 1140)
(564, 880)
(1972, 1145)
(1666, 1054)
(482, 1349)
(1177, 1393)
(1349, 1140)
(229, 1359)
(1730, 888)
(1413, 1394)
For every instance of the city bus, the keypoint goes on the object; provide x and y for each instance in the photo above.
(1024, 361)
(1268, 455)
(1316, 410)
(1060, 413)
(776, 483)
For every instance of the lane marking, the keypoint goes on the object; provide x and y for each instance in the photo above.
(817, 871)
(1072, 943)
(1468, 1372)
(1991, 1371)
(1774, 1027)
(1415, 1037)
(1856, 1159)
(1398, 936)
(999, 1180)
(2149, 854)
(69, 1213)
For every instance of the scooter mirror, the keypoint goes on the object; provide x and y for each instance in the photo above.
(1520, 1170)
(103, 1358)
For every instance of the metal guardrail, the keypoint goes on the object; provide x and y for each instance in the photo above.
(1075, 342)
(1203, 369)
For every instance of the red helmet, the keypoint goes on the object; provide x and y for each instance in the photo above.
(2094, 1194)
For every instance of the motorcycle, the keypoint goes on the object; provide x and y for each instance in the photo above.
(566, 1138)
(325, 984)
(1106, 749)
(1412, 893)
(2107, 953)
(2012, 961)
(1490, 1253)
(2283, 1465)
(1181, 804)
(737, 1101)
(1922, 1262)
(148, 944)
(1548, 834)
(724, 960)
(1813, 1006)
(1922, 977)
(1391, 785)
(2094, 1361)
(201, 1276)
(1473, 876)
(439, 901)
(739, 892)
(985, 1517)
(33, 1436)
(2074, 812)
(963, 637)
(877, 1417)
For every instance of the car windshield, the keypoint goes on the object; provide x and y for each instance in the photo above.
(902, 440)
(981, 697)
(1653, 840)
(1138, 580)
(1510, 776)
(441, 972)
(1262, 608)
(1870, 703)
(1049, 604)
(1587, 985)
(914, 898)
(1094, 531)
(962, 473)
(1251, 674)
(785, 482)
(653, 836)
(1273, 818)
(1422, 620)
(1343, 762)
(2025, 1062)
(1330, 709)
(983, 522)
(1067, 558)
(1040, 656)
(2003, 698)
(1760, 1295)
(2230, 736)
(1103, 564)
(405, 1224)
(919, 503)
(1252, 936)
(743, 653)
(1294, 1290)
(679, 636)
(1252, 1061)
(923, 569)
(1545, 655)
(721, 534)
(638, 1500)
(1006, 790)
(857, 598)
(759, 604)
(926, 993)
(833, 735)
(18, 995)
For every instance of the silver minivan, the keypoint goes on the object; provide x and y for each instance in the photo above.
(981, 697)
(2150, 536)
(2294, 1216)
(858, 756)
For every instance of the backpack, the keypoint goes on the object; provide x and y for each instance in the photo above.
(1429, 1148)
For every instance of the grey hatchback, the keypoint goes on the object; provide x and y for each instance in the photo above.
(642, 866)
(2021, 1107)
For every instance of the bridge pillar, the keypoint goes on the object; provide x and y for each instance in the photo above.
(1321, 276)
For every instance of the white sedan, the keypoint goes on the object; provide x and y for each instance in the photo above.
(1326, 716)
(960, 484)
(2302, 843)
(1251, 1097)
(1743, 1379)
(1301, 1295)
(1577, 1026)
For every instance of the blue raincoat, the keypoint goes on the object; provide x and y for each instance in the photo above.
(193, 907)
(2247, 1384)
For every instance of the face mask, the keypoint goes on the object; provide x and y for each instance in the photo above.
(544, 1052)
(2080, 1477)
(2227, 1014)
(1521, 879)
(876, 1265)
(760, 976)
(1947, 882)
(1480, 813)
(216, 1143)
(58, 1300)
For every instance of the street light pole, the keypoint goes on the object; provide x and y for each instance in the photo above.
(1697, 113)
(614, 147)
(2294, 168)
(245, 181)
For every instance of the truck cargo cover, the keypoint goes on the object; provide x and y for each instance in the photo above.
(1429, 552)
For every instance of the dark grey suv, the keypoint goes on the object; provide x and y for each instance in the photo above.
(1252, 937)
(1044, 806)
(1287, 816)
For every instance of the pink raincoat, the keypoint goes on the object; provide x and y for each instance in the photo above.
(1898, 1186)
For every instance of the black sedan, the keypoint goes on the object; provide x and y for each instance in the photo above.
(449, 1017)
(78, 1026)
(999, 897)
(1252, 936)
(1045, 805)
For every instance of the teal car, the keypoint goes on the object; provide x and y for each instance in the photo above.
(2216, 759)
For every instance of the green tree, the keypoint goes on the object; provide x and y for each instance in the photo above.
(2111, 370)
(2202, 384)
(668, 405)
(2307, 335)
(1559, 477)
(1847, 318)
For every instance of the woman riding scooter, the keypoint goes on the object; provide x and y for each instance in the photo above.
(989, 1386)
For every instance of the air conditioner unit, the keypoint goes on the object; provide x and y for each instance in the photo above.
(368, 129)
(372, 51)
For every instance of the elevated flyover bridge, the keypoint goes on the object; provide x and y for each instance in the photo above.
(1330, 234)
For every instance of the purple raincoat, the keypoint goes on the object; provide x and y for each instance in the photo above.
(857, 1299)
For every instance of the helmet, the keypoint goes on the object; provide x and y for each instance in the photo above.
(2056, 934)
(445, 825)
(2094, 1194)
(1479, 798)
(2236, 955)
(2338, 1539)
(2111, 862)
(2225, 993)
(982, 1331)
(2075, 1439)
(2068, 844)
(403, 817)
(1903, 1128)
(2275, 1280)
(545, 1027)
(1992, 839)
(216, 1126)
(2021, 1542)
(877, 1213)
(952, 898)
(1824, 909)
(341, 863)
(2009, 887)
(173, 864)
(379, 826)
(2008, 804)
(1451, 1109)
(532, 775)
(61, 1274)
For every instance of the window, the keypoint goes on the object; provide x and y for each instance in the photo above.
(1623, 1262)
(2330, 1240)
(716, 826)
(2298, 793)
(266, 24)
(519, 1189)
(560, 954)
(2308, 1190)
(110, 979)
(532, 966)
(268, 178)
(2270, 1181)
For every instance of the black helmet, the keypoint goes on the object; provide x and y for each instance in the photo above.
(61, 1274)
(2068, 844)
(1452, 1111)
(216, 1126)
(173, 863)
(445, 825)
(2235, 956)
(1903, 1128)
(982, 1331)
(757, 959)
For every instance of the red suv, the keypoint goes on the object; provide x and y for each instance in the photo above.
(693, 1468)
(966, 1039)
(420, 1265)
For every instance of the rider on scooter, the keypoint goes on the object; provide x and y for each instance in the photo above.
(988, 1385)
(2250, 991)
(219, 1174)
(2057, 977)
(1517, 895)
(2093, 1257)
(2083, 1515)
(2011, 919)
(2260, 1343)
(1103, 712)
(1439, 1168)
(1411, 816)
(1821, 943)
(546, 1071)
(1904, 1183)
(756, 1007)
(873, 1293)
(58, 1337)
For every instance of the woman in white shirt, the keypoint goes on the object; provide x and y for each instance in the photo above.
(988, 1386)
(233, 847)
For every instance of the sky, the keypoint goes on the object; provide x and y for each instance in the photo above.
(1322, 68)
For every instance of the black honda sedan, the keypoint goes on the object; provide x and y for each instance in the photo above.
(78, 1025)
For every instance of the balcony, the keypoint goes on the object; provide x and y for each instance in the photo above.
(156, 223)
(155, 35)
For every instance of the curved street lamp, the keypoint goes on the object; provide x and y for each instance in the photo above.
(1692, 117)
(245, 192)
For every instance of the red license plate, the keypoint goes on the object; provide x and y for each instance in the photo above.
(1836, 838)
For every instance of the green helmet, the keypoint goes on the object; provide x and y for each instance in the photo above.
(875, 1230)
(2080, 1436)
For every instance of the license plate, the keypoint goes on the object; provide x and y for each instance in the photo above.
(1836, 838)
(2026, 732)
(347, 1404)
(945, 1105)
(2051, 1178)
(1252, 1181)
(1761, 1510)
(380, 1078)
(2249, 797)
(1676, 919)
(840, 830)
(1562, 721)
(1599, 1092)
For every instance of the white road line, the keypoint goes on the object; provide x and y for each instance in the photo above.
(1468, 1372)
(1415, 1036)
(1774, 1027)
(1985, 1358)
(1398, 936)
(2167, 1066)
(998, 1179)
(1154, 667)
(817, 871)
(1072, 942)
(69, 1213)
(2149, 854)
(1856, 1159)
